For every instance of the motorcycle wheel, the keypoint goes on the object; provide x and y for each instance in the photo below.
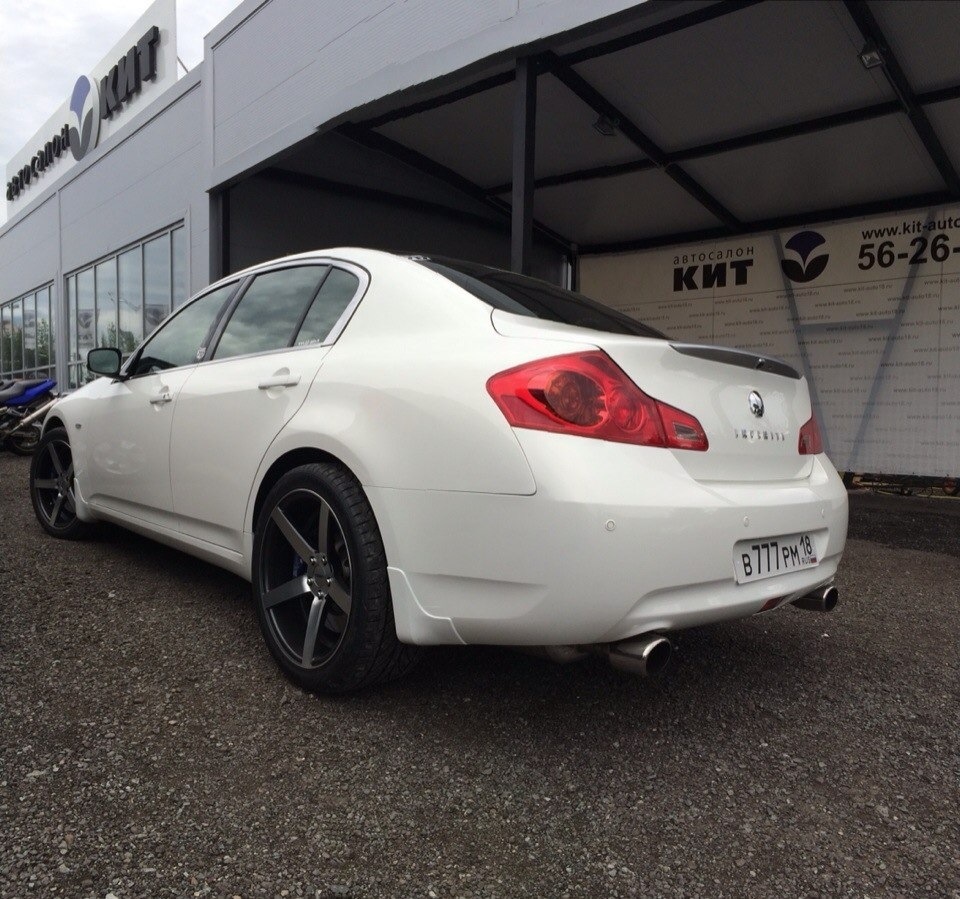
(24, 442)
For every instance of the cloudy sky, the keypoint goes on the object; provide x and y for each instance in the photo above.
(45, 46)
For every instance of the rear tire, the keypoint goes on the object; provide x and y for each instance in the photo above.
(25, 442)
(52, 488)
(320, 584)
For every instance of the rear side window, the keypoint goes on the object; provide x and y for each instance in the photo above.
(268, 314)
(179, 340)
(338, 289)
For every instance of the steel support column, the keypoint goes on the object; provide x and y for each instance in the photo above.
(524, 152)
(219, 234)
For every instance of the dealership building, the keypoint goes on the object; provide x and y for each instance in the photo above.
(780, 176)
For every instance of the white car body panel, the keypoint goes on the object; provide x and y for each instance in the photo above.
(224, 423)
(122, 447)
(493, 534)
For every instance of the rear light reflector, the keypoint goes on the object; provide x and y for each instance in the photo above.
(810, 443)
(589, 395)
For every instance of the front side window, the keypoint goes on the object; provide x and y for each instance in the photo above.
(269, 312)
(179, 340)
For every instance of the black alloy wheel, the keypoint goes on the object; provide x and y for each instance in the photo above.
(52, 486)
(320, 583)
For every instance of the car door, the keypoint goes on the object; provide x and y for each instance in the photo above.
(263, 360)
(127, 421)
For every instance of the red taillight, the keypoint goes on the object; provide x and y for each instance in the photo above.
(587, 394)
(810, 441)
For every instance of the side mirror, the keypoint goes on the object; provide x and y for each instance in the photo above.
(105, 360)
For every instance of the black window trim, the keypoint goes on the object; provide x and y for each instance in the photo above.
(133, 361)
(362, 275)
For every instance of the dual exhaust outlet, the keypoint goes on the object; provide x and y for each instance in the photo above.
(649, 654)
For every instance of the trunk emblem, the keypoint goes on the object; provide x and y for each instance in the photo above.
(756, 403)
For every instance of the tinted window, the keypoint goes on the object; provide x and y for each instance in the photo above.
(528, 296)
(177, 342)
(339, 288)
(269, 312)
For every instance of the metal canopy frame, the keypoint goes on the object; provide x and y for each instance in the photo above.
(528, 68)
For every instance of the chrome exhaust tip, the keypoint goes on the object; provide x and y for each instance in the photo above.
(823, 599)
(647, 655)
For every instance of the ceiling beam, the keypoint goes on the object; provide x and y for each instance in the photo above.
(795, 220)
(742, 141)
(871, 31)
(383, 144)
(599, 104)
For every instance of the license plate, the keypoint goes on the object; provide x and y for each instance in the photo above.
(754, 560)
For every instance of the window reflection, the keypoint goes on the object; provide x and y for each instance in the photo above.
(130, 267)
(120, 300)
(156, 267)
(106, 287)
(270, 311)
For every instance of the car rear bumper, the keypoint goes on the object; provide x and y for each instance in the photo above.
(618, 540)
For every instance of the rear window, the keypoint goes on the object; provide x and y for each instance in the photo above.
(529, 296)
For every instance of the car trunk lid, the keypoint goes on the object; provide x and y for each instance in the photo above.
(750, 406)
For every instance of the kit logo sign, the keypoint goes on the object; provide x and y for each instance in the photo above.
(90, 103)
(85, 105)
(804, 268)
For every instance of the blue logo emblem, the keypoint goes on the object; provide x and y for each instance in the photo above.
(805, 268)
(85, 105)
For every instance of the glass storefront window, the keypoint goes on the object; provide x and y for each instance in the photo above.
(118, 301)
(30, 331)
(26, 336)
(106, 288)
(6, 363)
(130, 265)
(181, 291)
(86, 313)
(156, 271)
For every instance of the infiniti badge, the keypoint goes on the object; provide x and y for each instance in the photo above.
(756, 403)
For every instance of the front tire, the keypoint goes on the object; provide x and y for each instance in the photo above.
(320, 583)
(52, 489)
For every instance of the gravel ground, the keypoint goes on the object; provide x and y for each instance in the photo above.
(151, 748)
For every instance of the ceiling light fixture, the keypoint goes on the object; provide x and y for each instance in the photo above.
(606, 126)
(870, 55)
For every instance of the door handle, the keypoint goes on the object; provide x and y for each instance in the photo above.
(279, 380)
(161, 398)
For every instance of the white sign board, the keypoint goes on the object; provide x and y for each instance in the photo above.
(869, 311)
(136, 70)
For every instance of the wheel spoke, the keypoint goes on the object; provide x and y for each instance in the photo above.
(300, 546)
(70, 501)
(55, 514)
(340, 597)
(313, 627)
(68, 474)
(323, 527)
(285, 592)
(46, 484)
(55, 457)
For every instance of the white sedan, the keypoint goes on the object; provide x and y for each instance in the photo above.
(410, 451)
